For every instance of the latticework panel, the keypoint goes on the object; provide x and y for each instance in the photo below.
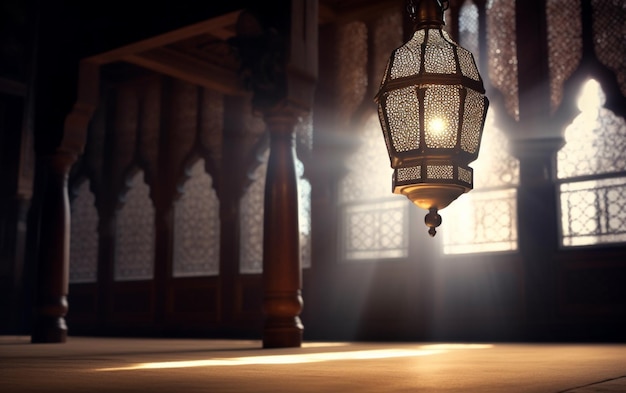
(595, 140)
(609, 36)
(376, 230)
(564, 44)
(502, 50)
(593, 212)
(251, 213)
(485, 219)
(197, 226)
(134, 234)
(592, 169)
(84, 237)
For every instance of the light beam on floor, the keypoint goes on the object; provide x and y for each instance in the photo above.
(284, 359)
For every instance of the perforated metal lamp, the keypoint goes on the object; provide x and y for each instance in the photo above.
(432, 109)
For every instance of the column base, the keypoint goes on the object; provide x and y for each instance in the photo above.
(49, 330)
(283, 336)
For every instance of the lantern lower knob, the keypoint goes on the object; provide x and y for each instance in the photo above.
(432, 220)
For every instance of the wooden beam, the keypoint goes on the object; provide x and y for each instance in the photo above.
(218, 27)
(190, 69)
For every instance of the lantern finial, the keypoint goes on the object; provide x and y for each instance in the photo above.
(432, 220)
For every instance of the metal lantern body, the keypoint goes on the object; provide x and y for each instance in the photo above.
(432, 109)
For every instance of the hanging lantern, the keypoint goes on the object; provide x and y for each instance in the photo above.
(432, 109)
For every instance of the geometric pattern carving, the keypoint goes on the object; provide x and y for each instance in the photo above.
(197, 226)
(591, 168)
(374, 220)
(485, 219)
(251, 212)
(609, 36)
(84, 237)
(502, 51)
(593, 211)
(376, 230)
(565, 44)
(134, 233)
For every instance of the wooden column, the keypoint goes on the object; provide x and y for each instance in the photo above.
(54, 227)
(282, 273)
(53, 270)
(282, 78)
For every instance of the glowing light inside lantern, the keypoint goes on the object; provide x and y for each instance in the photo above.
(437, 126)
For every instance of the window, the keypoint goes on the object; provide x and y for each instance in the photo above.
(251, 219)
(489, 211)
(591, 169)
(134, 235)
(84, 237)
(197, 226)
(374, 222)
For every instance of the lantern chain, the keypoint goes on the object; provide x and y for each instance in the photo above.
(411, 6)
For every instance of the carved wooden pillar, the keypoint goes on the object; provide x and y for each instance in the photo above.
(54, 226)
(282, 273)
(53, 270)
(278, 53)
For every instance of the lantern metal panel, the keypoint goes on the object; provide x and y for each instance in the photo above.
(439, 56)
(410, 173)
(407, 59)
(474, 113)
(403, 119)
(385, 128)
(465, 175)
(467, 64)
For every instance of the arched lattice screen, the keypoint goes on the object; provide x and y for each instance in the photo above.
(592, 173)
(134, 233)
(197, 226)
(84, 237)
